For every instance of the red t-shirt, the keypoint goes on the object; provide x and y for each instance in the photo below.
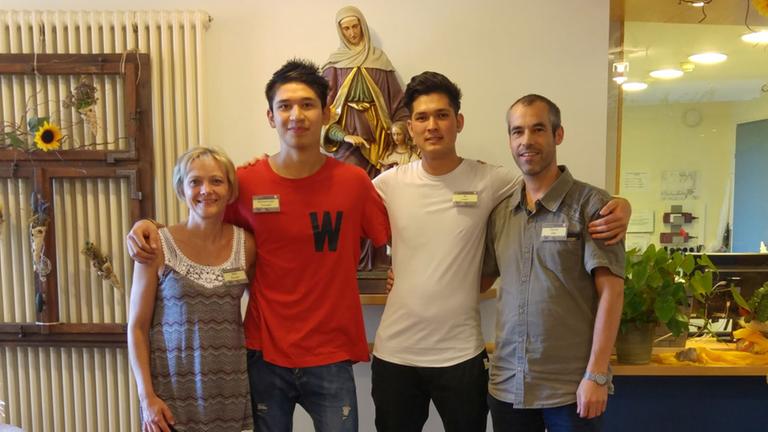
(304, 308)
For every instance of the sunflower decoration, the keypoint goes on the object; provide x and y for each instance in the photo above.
(761, 6)
(48, 137)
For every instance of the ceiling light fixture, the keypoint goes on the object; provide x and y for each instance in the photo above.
(696, 3)
(666, 73)
(634, 86)
(757, 37)
(620, 70)
(708, 58)
(621, 67)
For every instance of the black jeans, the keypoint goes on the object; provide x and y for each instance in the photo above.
(401, 395)
(505, 417)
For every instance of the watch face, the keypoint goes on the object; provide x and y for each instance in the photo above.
(600, 379)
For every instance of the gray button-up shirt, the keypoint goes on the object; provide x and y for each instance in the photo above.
(548, 300)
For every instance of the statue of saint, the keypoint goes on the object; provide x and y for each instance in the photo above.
(403, 151)
(365, 96)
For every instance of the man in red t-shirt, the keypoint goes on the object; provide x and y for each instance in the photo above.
(304, 325)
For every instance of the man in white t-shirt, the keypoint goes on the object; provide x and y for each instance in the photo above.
(429, 345)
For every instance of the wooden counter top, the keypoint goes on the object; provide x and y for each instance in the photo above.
(658, 369)
(655, 369)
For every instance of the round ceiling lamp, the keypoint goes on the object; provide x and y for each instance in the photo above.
(708, 58)
(666, 73)
(757, 37)
(634, 86)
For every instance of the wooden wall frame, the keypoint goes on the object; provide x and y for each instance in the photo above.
(136, 163)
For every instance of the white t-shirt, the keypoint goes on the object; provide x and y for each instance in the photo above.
(432, 317)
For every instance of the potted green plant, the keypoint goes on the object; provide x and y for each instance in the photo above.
(657, 287)
(755, 311)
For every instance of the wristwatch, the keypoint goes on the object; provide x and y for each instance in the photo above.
(600, 379)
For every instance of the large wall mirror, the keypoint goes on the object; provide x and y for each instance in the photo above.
(694, 132)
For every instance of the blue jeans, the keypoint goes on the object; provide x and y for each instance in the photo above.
(326, 392)
(564, 418)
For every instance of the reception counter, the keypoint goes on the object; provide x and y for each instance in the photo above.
(658, 397)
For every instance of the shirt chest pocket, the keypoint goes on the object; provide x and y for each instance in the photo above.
(561, 258)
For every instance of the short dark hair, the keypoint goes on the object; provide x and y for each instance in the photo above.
(432, 82)
(300, 71)
(530, 99)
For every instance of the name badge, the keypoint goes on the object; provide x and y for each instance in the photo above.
(554, 232)
(266, 203)
(465, 199)
(234, 276)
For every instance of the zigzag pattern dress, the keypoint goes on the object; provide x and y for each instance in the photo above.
(197, 347)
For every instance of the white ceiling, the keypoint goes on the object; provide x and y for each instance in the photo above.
(668, 42)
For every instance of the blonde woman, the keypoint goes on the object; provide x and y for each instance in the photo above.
(185, 335)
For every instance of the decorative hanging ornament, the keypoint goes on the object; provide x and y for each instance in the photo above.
(2, 220)
(83, 99)
(102, 263)
(38, 226)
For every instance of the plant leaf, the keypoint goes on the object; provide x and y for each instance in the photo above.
(688, 264)
(739, 299)
(678, 324)
(701, 285)
(35, 123)
(706, 262)
(16, 141)
(665, 308)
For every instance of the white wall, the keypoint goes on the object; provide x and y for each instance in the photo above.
(495, 50)
(655, 139)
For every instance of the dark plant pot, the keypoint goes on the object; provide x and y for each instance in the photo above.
(634, 345)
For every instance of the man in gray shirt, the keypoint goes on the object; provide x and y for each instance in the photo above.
(561, 290)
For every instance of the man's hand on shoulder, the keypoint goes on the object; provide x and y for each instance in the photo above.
(143, 241)
(612, 226)
(254, 160)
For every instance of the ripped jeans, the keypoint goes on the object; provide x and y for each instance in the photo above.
(326, 392)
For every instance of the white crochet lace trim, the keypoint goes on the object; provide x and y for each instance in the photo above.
(207, 276)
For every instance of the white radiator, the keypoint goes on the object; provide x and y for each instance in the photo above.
(89, 389)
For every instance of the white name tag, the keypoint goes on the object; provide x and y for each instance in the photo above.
(465, 199)
(554, 231)
(266, 203)
(234, 276)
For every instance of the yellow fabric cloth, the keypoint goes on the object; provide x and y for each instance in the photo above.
(754, 336)
(719, 354)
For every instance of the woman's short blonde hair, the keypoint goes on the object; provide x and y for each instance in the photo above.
(181, 169)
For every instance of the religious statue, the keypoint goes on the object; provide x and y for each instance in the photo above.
(403, 151)
(365, 96)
